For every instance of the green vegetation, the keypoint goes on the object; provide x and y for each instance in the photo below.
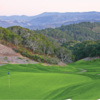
(82, 39)
(8, 36)
(83, 49)
(34, 46)
(86, 49)
(66, 43)
(55, 35)
(78, 32)
(76, 81)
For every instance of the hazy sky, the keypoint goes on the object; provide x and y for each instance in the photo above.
(34, 7)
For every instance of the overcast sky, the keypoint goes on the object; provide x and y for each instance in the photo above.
(34, 7)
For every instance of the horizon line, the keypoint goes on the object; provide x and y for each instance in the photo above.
(51, 12)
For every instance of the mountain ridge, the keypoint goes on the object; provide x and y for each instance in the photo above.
(49, 19)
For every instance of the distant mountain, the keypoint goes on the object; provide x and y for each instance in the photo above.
(49, 19)
(16, 17)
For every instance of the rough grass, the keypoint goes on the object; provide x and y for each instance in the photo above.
(38, 82)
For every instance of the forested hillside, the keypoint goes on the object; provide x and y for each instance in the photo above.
(82, 39)
(34, 46)
(66, 43)
(84, 49)
(78, 32)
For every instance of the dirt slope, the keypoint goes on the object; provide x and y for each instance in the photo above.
(6, 51)
(8, 55)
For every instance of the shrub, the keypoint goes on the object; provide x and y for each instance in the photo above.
(36, 57)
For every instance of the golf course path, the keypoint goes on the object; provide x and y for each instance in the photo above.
(82, 70)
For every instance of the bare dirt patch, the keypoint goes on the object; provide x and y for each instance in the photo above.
(8, 55)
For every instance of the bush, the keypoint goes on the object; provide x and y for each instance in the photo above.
(53, 61)
(46, 59)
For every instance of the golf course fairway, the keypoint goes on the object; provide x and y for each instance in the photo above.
(76, 81)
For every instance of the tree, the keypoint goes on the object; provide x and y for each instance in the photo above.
(64, 54)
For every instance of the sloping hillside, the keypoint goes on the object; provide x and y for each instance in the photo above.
(8, 55)
(78, 32)
(6, 51)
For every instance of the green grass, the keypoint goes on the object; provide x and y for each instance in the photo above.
(38, 82)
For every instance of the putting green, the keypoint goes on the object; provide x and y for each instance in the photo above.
(24, 85)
